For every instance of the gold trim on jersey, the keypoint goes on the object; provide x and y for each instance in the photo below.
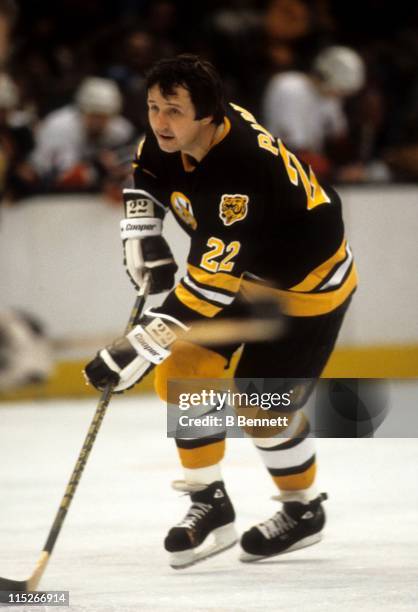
(219, 280)
(138, 153)
(223, 134)
(226, 128)
(298, 304)
(140, 147)
(214, 297)
(135, 163)
(315, 277)
(194, 303)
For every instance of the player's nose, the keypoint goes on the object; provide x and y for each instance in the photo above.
(160, 122)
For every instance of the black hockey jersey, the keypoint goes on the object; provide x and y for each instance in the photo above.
(257, 218)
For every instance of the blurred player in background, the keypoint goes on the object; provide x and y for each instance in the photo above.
(306, 110)
(79, 146)
(259, 222)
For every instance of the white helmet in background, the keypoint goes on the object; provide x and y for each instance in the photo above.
(9, 95)
(340, 69)
(96, 95)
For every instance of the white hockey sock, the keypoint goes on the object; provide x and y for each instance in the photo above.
(302, 495)
(205, 475)
(289, 454)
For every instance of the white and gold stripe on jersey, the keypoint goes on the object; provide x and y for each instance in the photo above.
(321, 291)
(207, 293)
(329, 274)
(218, 280)
(338, 273)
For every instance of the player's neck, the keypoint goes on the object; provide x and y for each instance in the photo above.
(207, 138)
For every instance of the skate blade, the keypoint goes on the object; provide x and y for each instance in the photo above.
(223, 538)
(308, 541)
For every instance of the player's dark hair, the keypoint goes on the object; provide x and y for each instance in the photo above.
(198, 76)
(9, 9)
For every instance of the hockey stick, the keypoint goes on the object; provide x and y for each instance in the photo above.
(32, 582)
(264, 324)
(227, 331)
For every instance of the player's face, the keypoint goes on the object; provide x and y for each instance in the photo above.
(173, 121)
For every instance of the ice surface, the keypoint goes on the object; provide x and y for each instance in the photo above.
(110, 556)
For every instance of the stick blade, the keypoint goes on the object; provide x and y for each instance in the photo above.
(7, 586)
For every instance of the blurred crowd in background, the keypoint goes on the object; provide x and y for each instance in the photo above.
(337, 81)
(72, 97)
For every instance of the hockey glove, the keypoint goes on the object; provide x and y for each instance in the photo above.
(145, 249)
(125, 362)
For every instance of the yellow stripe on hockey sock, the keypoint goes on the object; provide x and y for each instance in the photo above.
(295, 482)
(205, 456)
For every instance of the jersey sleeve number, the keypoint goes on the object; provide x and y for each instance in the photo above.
(217, 248)
(315, 195)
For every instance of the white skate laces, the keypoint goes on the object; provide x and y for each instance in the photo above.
(279, 524)
(197, 511)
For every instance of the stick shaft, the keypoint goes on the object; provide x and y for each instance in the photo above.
(209, 332)
(78, 469)
(90, 437)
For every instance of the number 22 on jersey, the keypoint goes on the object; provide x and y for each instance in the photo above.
(217, 249)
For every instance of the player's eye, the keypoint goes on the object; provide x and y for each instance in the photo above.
(174, 111)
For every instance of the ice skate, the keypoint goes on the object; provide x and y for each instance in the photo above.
(295, 526)
(206, 530)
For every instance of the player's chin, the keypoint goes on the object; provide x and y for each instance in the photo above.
(168, 145)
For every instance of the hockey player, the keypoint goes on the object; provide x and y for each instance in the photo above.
(258, 221)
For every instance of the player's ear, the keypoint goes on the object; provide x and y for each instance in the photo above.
(207, 120)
